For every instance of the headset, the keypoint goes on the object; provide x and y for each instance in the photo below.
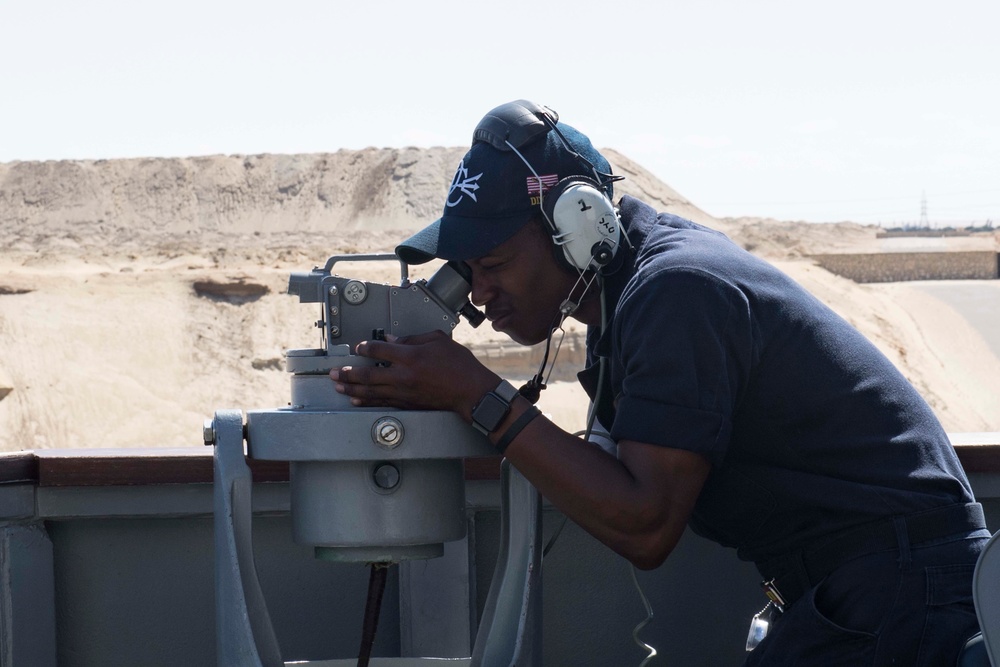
(578, 209)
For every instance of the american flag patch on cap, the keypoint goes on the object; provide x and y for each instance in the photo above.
(540, 184)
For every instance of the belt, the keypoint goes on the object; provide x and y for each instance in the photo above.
(786, 578)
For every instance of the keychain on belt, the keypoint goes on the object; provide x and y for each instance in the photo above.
(760, 624)
(762, 620)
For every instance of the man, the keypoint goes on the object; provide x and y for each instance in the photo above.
(739, 404)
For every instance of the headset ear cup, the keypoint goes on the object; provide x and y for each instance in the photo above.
(584, 223)
(555, 231)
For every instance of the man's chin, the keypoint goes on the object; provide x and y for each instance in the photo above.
(506, 326)
(522, 338)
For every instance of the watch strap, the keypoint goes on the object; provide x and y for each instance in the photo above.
(506, 391)
(512, 432)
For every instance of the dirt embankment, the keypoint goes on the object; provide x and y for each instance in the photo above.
(139, 296)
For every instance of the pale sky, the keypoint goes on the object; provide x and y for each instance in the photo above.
(849, 110)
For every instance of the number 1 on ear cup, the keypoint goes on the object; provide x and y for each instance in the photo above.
(584, 223)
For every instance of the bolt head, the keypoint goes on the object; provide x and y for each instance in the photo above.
(387, 432)
(386, 476)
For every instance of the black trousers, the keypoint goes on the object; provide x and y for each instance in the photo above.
(909, 606)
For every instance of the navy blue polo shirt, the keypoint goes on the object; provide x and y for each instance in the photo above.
(808, 427)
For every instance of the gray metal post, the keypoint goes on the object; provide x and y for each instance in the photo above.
(27, 597)
(243, 631)
(510, 632)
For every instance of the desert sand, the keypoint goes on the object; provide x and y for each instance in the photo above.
(139, 296)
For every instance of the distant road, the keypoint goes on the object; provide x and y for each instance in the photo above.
(978, 301)
(936, 243)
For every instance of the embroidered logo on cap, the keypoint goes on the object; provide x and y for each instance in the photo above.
(464, 184)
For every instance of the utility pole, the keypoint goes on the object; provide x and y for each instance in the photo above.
(924, 222)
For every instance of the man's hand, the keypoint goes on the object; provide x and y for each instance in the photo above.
(427, 371)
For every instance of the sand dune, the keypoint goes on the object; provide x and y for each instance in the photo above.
(139, 296)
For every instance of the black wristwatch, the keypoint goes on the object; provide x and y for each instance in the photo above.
(493, 407)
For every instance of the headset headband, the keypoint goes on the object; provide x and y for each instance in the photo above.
(514, 125)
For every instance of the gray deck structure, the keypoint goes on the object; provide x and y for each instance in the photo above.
(106, 558)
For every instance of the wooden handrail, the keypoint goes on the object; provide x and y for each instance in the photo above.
(978, 452)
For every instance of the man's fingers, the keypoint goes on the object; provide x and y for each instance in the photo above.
(396, 349)
(353, 380)
(361, 394)
(381, 350)
(369, 385)
(409, 372)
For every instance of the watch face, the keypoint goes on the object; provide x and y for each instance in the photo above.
(490, 411)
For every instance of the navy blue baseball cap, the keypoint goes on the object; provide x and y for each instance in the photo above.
(494, 193)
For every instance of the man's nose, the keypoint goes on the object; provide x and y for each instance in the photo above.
(482, 291)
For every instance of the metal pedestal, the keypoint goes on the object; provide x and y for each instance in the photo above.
(510, 630)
